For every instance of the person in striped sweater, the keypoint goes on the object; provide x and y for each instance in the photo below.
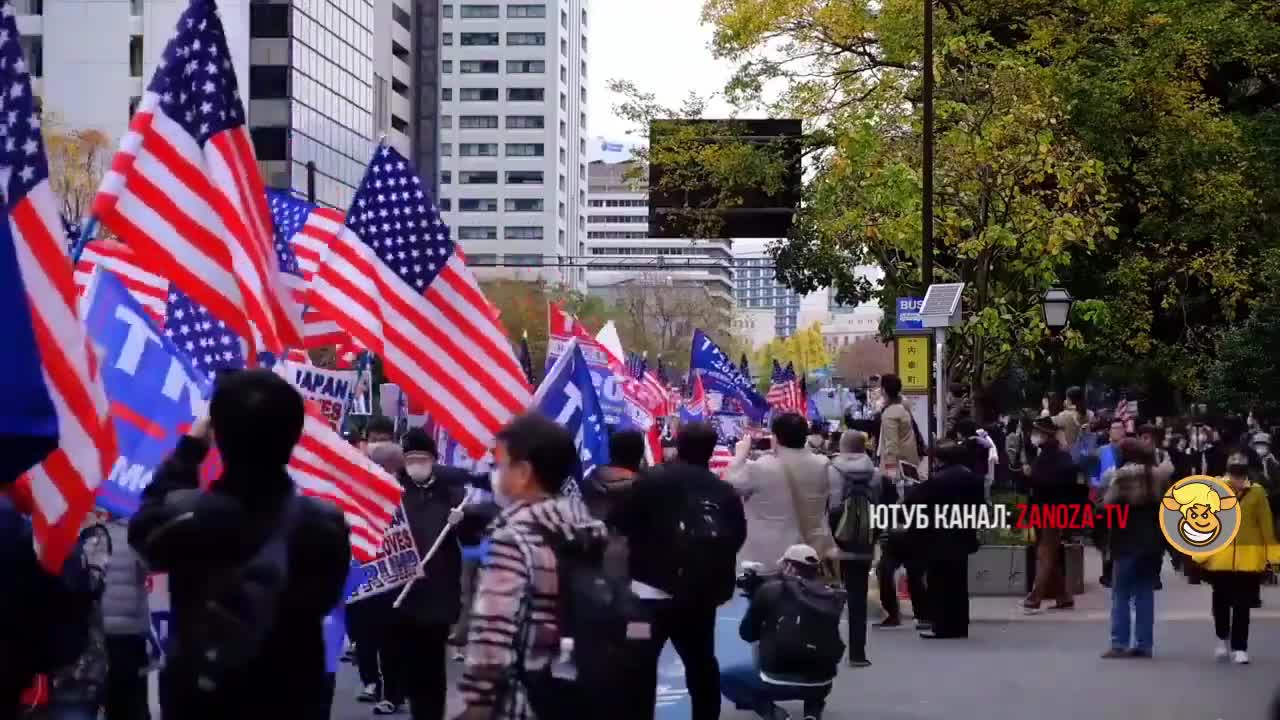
(514, 627)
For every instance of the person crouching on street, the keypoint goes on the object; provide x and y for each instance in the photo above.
(799, 663)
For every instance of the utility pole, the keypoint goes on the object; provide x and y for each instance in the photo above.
(926, 212)
(311, 181)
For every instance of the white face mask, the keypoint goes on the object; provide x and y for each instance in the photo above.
(419, 472)
(1037, 440)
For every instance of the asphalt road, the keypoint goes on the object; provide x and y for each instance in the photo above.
(1045, 667)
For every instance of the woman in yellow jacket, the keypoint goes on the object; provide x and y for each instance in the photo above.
(1236, 571)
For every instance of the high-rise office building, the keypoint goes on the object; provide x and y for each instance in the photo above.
(304, 67)
(756, 287)
(393, 75)
(513, 147)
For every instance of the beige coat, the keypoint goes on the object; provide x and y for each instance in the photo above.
(897, 439)
(772, 525)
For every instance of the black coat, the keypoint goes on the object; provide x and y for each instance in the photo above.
(194, 535)
(950, 485)
(1055, 478)
(647, 518)
(436, 597)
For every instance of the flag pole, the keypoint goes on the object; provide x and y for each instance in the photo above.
(86, 235)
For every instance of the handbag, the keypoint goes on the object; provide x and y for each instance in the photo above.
(826, 568)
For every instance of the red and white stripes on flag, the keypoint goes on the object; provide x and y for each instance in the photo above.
(185, 193)
(721, 459)
(303, 233)
(324, 465)
(150, 290)
(785, 397)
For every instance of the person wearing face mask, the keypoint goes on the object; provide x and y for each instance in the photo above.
(1053, 482)
(1235, 572)
(418, 631)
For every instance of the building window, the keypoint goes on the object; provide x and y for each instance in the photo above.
(561, 182)
(564, 47)
(532, 232)
(478, 150)
(478, 94)
(482, 259)
(33, 50)
(268, 81)
(447, 39)
(477, 205)
(446, 122)
(133, 105)
(564, 101)
(525, 260)
(446, 149)
(477, 232)
(524, 177)
(526, 94)
(523, 205)
(526, 11)
(446, 94)
(448, 11)
(582, 146)
(478, 177)
(584, 17)
(265, 21)
(135, 56)
(584, 68)
(479, 38)
(524, 149)
(516, 38)
(446, 177)
(563, 128)
(401, 17)
(270, 143)
(584, 93)
(526, 122)
(478, 66)
(526, 67)
(446, 67)
(399, 124)
(478, 122)
(561, 211)
(564, 19)
(561, 156)
(446, 204)
(582, 120)
(479, 11)
(564, 74)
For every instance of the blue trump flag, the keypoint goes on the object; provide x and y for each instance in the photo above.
(568, 396)
(720, 375)
(154, 392)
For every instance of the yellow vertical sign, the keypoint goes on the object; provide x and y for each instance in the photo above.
(913, 363)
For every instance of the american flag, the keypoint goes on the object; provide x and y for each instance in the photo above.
(207, 341)
(721, 459)
(325, 465)
(303, 233)
(61, 487)
(150, 290)
(404, 292)
(185, 193)
(784, 392)
(655, 396)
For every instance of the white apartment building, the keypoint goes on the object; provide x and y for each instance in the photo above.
(620, 251)
(513, 146)
(393, 77)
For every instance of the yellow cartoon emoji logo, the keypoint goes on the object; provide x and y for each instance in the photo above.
(1199, 515)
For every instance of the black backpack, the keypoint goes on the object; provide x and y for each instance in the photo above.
(853, 531)
(703, 551)
(238, 608)
(805, 637)
(606, 623)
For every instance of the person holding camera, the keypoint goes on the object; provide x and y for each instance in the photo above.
(795, 621)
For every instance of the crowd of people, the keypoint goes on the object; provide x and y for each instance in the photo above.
(559, 604)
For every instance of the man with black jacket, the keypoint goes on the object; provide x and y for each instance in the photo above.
(1054, 482)
(660, 504)
(951, 486)
(209, 541)
(418, 631)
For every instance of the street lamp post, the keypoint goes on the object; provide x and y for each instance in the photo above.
(1056, 308)
(926, 206)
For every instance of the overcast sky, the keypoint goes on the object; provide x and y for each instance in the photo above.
(659, 45)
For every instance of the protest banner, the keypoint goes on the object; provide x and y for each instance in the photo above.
(609, 384)
(154, 392)
(328, 388)
(394, 566)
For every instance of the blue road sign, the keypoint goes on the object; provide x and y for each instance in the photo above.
(908, 317)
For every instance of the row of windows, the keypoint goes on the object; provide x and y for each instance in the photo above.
(333, 33)
(618, 219)
(619, 203)
(491, 204)
(467, 12)
(490, 232)
(616, 235)
(490, 177)
(623, 250)
(491, 94)
(492, 38)
(490, 67)
(491, 149)
(490, 122)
